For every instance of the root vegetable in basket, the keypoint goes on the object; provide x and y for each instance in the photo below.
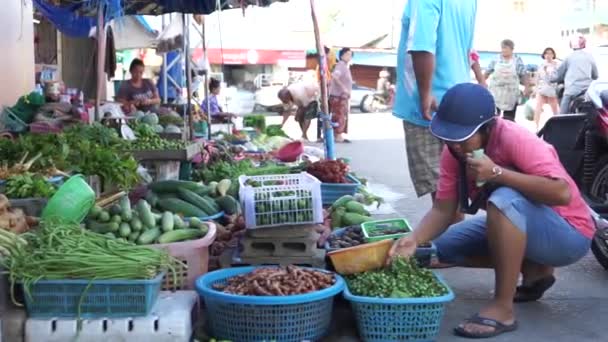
(277, 281)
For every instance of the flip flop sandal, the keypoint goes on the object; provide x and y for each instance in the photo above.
(499, 328)
(533, 292)
(345, 141)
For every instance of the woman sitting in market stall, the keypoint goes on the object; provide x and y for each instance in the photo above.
(138, 93)
(211, 106)
(536, 218)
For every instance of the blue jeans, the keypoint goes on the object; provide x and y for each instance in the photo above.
(564, 106)
(550, 239)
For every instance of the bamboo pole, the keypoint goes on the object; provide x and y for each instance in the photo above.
(101, 59)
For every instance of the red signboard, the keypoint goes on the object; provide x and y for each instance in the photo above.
(289, 58)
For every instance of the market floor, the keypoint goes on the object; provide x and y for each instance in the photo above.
(575, 309)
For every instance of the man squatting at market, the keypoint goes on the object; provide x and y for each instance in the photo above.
(303, 99)
(536, 218)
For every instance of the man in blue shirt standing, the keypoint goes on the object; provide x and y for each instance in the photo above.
(433, 56)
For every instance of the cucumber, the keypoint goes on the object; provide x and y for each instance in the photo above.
(95, 211)
(103, 228)
(183, 208)
(223, 186)
(352, 219)
(167, 221)
(115, 209)
(133, 236)
(157, 216)
(145, 214)
(148, 237)
(213, 189)
(197, 200)
(171, 186)
(196, 223)
(136, 224)
(125, 206)
(104, 216)
(116, 218)
(204, 191)
(228, 204)
(356, 207)
(178, 223)
(110, 236)
(180, 235)
(124, 230)
(340, 202)
(211, 202)
(152, 198)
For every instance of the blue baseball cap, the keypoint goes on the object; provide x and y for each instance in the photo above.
(463, 110)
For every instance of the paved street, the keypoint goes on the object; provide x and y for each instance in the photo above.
(573, 310)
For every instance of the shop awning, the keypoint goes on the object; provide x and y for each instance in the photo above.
(153, 7)
(375, 58)
(287, 58)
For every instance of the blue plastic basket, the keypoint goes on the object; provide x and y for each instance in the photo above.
(96, 299)
(266, 318)
(330, 192)
(392, 319)
(9, 121)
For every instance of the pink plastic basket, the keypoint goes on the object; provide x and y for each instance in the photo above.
(195, 254)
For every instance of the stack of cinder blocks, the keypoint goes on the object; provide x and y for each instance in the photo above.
(289, 245)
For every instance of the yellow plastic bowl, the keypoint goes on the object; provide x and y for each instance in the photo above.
(361, 258)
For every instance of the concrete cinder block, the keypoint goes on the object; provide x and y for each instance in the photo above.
(281, 246)
(284, 231)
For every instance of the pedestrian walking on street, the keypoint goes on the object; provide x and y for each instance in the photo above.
(340, 89)
(433, 55)
(536, 218)
(508, 72)
(546, 90)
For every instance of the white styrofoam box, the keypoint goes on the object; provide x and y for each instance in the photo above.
(170, 321)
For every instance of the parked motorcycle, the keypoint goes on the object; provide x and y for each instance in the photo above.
(581, 141)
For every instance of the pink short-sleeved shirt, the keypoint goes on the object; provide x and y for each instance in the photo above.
(514, 147)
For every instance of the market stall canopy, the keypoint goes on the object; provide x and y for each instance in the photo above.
(116, 8)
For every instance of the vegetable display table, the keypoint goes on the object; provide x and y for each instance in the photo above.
(185, 154)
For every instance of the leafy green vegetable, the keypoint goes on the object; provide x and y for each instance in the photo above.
(87, 149)
(275, 130)
(29, 185)
(402, 279)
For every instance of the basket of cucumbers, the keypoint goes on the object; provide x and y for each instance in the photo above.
(278, 200)
(187, 239)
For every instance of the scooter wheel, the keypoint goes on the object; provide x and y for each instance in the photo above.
(599, 247)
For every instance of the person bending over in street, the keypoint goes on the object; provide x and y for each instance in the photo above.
(535, 216)
(303, 99)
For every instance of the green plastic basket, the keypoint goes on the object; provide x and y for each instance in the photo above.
(72, 202)
(372, 227)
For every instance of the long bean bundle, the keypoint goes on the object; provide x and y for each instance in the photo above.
(66, 251)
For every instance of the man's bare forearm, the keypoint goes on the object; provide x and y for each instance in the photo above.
(424, 68)
(551, 192)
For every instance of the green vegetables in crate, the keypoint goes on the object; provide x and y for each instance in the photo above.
(28, 185)
(402, 279)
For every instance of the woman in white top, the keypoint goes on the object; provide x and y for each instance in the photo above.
(546, 91)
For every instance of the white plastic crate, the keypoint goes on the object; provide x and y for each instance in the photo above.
(170, 321)
(278, 200)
